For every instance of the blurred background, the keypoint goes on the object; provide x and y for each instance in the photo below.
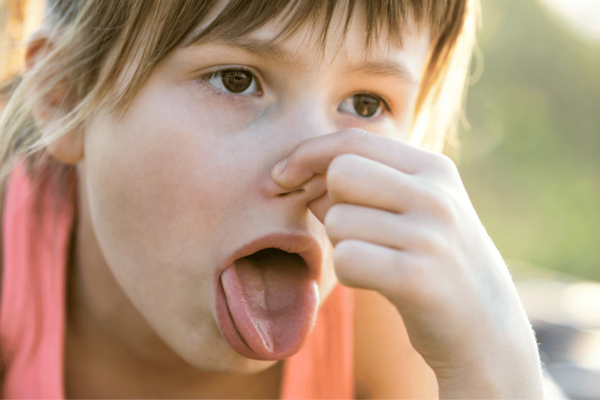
(531, 157)
(530, 160)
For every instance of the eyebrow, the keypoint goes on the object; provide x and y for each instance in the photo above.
(265, 49)
(272, 51)
(382, 68)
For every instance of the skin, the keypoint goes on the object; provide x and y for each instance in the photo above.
(175, 186)
(421, 245)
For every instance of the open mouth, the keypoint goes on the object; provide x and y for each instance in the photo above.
(267, 304)
(274, 255)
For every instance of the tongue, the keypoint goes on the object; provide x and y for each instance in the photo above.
(273, 304)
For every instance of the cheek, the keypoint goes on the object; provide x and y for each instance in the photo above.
(161, 172)
(142, 184)
(163, 190)
(161, 185)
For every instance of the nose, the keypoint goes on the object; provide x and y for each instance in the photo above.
(311, 195)
(298, 122)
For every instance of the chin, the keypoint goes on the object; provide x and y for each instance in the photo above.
(231, 362)
(214, 355)
(249, 366)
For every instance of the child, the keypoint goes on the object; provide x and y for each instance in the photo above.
(189, 180)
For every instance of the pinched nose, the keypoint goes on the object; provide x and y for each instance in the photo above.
(305, 122)
(312, 194)
(310, 190)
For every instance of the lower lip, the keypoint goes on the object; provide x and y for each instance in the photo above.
(227, 327)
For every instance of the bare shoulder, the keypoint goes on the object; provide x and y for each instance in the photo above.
(386, 365)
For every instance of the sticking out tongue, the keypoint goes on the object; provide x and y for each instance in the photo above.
(272, 302)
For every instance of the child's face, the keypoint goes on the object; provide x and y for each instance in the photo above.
(182, 182)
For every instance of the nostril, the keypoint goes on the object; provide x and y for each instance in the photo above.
(290, 192)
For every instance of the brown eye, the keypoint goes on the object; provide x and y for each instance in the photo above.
(365, 105)
(362, 105)
(236, 81)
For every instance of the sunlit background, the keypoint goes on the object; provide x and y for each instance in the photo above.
(531, 158)
(530, 161)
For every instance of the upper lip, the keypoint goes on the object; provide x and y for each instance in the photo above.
(305, 246)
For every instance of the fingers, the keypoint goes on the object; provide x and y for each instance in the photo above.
(397, 231)
(314, 188)
(366, 265)
(314, 155)
(358, 180)
(379, 250)
(320, 207)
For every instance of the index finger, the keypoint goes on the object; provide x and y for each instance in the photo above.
(314, 155)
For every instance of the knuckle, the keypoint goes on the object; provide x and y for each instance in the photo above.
(421, 237)
(441, 163)
(442, 206)
(435, 242)
(447, 208)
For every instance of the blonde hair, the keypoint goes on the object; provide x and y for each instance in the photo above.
(95, 33)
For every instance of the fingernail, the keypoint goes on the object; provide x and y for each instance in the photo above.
(280, 167)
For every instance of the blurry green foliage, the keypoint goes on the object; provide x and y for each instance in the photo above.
(531, 157)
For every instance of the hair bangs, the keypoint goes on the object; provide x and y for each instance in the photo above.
(387, 18)
(166, 24)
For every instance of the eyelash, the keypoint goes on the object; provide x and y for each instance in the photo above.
(244, 97)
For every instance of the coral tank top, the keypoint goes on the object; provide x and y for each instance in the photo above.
(38, 226)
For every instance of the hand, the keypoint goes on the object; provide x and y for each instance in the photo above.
(401, 223)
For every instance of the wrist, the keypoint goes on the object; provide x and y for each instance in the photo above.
(511, 369)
